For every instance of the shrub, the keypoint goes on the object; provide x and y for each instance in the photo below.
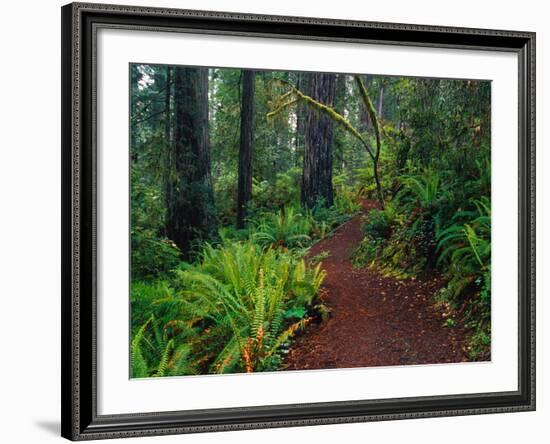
(225, 193)
(423, 186)
(376, 225)
(398, 244)
(273, 196)
(245, 303)
(155, 353)
(151, 256)
(287, 228)
(346, 198)
(466, 250)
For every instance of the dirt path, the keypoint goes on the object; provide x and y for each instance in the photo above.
(374, 320)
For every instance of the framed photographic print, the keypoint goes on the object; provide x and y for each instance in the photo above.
(278, 221)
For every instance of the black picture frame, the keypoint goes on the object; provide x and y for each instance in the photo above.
(80, 420)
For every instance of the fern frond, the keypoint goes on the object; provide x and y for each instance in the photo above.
(138, 364)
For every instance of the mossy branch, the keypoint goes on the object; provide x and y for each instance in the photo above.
(370, 109)
(280, 108)
(299, 96)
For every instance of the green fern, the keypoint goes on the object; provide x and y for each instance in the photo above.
(163, 364)
(287, 228)
(424, 186)
(243, 290)
(468, 244)
(137, 361)
(154, 354)
(466, 249)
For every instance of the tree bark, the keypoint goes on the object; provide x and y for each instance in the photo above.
(301, 118)
(319, 135)
(380, 104)
(168, 139)
(134, 78)
(167, 107)
(190, 215)
(339, 144)
(244, 193)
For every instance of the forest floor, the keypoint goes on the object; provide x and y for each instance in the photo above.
(375, 320)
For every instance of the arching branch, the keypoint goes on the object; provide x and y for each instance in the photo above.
(294, 95)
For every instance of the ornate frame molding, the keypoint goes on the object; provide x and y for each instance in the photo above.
(79, 395)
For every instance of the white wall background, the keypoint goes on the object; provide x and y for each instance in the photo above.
(30, 221)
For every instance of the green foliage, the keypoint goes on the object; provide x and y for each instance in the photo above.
(325, 219)
(289, 96)
(238, 304)
(479, 343)
(271, 197)
(346, 198)
(244, 294)
(320, 257)
(395, 242)
(234, 311)
(466, 247)
(376, 225)
(424, 187)
(225, 189)
(293, 227)
(287, 229)
(450, 322)
(151, 255)
(155, 353)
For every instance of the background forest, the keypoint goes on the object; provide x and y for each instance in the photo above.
(236, 174)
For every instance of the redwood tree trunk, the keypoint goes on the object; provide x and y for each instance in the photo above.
(190, 214)
(168, 139)
(302, 84)
(319, 135)
(339, 145)
(244, 193)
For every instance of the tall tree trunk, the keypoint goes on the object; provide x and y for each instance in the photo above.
(244, 193)
(134, 78)
(339, 144)
(380, 104)
(157, 102)
(301, 118)
(190, 214)
(319, 135)
(168, 139)
(167, 108)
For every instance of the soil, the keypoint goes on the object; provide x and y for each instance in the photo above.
(375, 320)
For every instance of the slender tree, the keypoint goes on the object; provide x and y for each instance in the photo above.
(244, 193)
(380, 103)
(190, 214)
(319, 136)
(375, 154)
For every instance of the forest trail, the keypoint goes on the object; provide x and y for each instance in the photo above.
(375, 320)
